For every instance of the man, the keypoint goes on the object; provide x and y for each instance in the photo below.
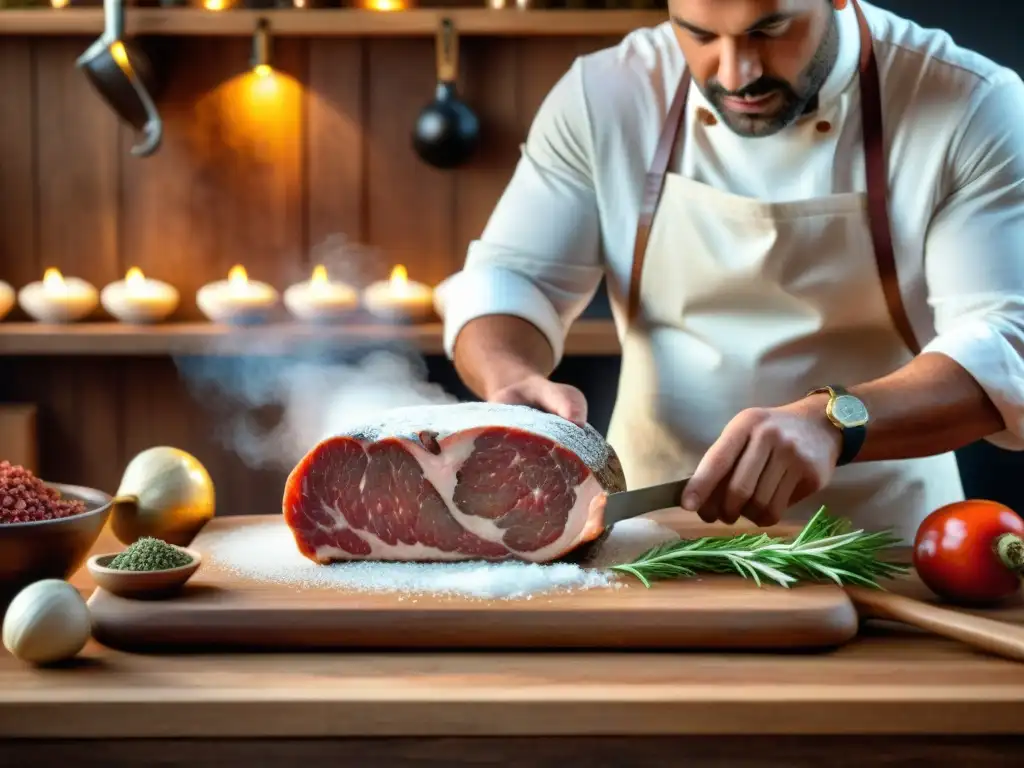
(811, 218)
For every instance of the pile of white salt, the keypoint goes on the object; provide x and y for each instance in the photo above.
(266, 552)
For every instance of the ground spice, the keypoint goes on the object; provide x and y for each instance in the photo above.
(149, 554)
(24, 498)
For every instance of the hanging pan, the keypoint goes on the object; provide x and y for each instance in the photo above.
(123, 74)
(447, 131)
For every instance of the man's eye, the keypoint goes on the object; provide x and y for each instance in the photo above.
(774, 30)
(702, 38)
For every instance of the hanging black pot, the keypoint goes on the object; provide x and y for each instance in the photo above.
(447, 131)
(123, 74)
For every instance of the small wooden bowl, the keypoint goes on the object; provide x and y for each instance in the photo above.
(142, 585)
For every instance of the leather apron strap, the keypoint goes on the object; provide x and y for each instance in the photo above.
(654, 183)
(876, 171)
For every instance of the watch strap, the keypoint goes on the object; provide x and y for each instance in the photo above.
(832, 390)
(853, 441)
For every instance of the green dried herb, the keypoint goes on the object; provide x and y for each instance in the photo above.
(149, 554)
(825, 550)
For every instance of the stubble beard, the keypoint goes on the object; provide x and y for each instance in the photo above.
(795, 101)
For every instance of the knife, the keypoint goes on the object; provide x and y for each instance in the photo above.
(626, 504)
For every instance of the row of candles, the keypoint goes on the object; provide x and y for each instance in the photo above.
(236, 300)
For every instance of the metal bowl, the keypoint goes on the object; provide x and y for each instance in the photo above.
(51, 549)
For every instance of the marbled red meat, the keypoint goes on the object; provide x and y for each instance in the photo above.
(452, 482)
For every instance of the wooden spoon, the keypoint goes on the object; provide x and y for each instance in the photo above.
(983, 634)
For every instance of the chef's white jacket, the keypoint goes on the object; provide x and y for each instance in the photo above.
(955, 136)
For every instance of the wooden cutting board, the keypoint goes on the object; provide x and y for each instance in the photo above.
(217, 610)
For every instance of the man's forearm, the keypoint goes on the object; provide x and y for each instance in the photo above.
(496, 351)
(929, 406)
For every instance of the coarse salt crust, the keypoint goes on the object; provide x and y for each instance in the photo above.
(266, 552)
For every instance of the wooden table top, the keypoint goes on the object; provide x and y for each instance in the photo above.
(892, 680)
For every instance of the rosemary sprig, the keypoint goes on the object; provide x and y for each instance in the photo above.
(825, 550)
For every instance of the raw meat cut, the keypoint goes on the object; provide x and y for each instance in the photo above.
(468, 481)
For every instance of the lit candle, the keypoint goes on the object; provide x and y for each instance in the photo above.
(320, 299)
(384, 5)
(139, 299)
(237, 299)
(56, 299)
(398, 298)
(7, 299)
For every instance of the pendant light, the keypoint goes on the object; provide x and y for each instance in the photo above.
(260, 60)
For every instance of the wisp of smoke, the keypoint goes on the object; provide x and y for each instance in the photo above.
(314, 398)
(316, 390)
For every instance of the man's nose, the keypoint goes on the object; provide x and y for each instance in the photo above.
(738, 66)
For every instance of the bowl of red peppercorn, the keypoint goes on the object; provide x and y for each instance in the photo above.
(46, 529)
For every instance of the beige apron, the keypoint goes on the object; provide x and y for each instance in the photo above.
(736, 303)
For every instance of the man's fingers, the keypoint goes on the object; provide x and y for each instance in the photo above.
(783, 495)
(758, 509)
(711, 510)
(715, 465)
(562, 400)
(576, 405)
(745, 477)
(770, 479)
(544, 395)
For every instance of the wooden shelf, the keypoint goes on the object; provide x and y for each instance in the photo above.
(587, 337)
(337, 22)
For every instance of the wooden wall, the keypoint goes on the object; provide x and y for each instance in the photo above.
(247, 174)
(251, 171)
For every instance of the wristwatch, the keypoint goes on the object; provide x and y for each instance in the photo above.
(850, 416)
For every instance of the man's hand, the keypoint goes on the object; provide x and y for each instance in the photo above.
(505, 359)
(544, 394)
(766, 460)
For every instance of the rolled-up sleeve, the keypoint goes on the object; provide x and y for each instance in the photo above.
(538, 258)
(975, 255)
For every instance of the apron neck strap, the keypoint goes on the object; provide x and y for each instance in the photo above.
(654, 182)
(876, 171)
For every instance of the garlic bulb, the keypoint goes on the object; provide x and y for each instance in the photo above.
(47, 621)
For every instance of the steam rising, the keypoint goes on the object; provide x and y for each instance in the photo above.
(272, 409)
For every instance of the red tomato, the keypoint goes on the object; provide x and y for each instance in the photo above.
(955, 552)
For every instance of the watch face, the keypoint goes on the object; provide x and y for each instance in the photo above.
(849, 411)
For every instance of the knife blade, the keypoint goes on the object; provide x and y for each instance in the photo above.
(626, 504)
